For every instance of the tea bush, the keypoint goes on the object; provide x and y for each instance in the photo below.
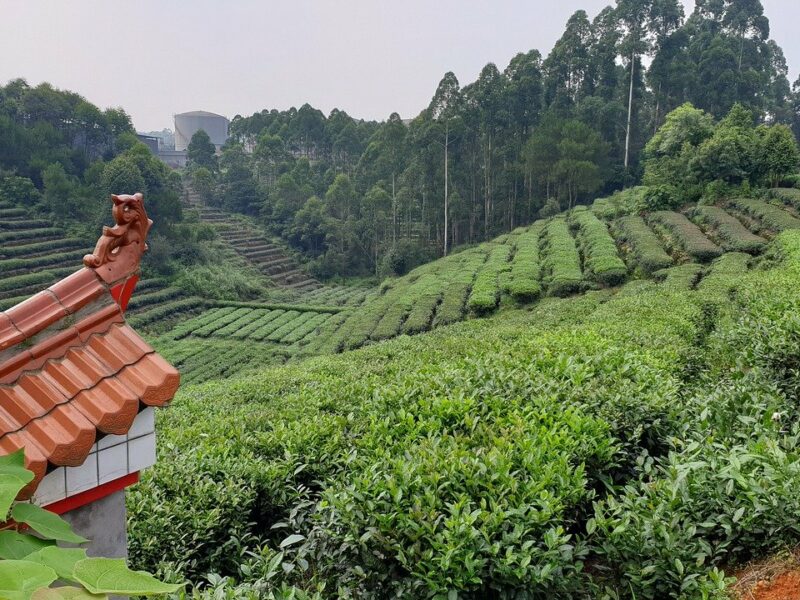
(524, 280)
(773, 218)
(600, 257)
(643, 244)
(734, 236)
(486, 290)
(561, 261)
(688, 235)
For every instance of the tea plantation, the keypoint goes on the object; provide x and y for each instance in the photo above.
(638, 439)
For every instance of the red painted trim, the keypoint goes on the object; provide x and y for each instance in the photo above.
(122, 292)
(93, 495)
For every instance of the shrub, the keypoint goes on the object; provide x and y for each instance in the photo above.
(561, 259)
(772, 217)
(524, 281)
(643, 244)
(486, 290)
(600, 257)
(688, 235)
(734, 236)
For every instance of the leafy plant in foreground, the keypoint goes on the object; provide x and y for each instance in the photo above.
(30, 564)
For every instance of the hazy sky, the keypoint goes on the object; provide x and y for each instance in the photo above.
(368, 57)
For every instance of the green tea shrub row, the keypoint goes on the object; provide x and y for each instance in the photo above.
(281, 332)
(643, 243)
(723, 272)
(7, 213)
(25, 224)
(681, 277)
(165, 311)
(220, 322)
(600, 256)
(688, 235)
(621, 203)
(8, 237)
(454, 298)
(278, 306)
(41, 247)
(485, 293)
(207, 317)
(246, 319)
(306, 329)
(266, 329)
(388, 326)
(165, 295)
(11, 265)
(773, 217)
(260, 318)
(428, 290)
(735, 236)
(562, 263)
(526, 271)
(790, 196)
(29, 279)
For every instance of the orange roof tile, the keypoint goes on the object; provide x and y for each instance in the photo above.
(71, 369)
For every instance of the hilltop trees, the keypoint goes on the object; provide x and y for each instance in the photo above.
(201, 152)
(690, 155)
(542, 133)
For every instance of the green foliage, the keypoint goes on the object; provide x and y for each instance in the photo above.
(734, 236)
(600, 257)
(686, 235)
(219, 283)
(30, 563)
(561, 261)
(643, 244)
(486, 290)
(201, 152)
(773, 218)
(524, 283)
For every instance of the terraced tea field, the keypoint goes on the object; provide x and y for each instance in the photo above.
(267, 255)
(33, 255)
(229, 339)
(585, 249)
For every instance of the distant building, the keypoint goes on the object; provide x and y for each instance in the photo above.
(150, 141)
(187, 124)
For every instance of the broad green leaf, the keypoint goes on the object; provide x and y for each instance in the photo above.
(112, 576)
(48, 524)
(66, 593)
(15, 459)
(14, 546)
(19, 579)
(61, 560)
(292, 539)
(13, 478)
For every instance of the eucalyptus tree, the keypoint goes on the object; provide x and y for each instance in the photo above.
(444, 112)
(633, 17)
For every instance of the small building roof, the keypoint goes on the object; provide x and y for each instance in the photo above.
(71, 369)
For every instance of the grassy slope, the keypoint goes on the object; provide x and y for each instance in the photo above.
(618, 444)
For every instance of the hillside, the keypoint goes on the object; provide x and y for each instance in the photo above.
(575, 252)
(631, 440)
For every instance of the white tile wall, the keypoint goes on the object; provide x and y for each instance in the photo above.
(142, 452)
(112, 457)
(112, 463)
(145, 423)
(84, 477)
(52, 488)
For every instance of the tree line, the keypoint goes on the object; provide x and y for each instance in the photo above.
(537, 137)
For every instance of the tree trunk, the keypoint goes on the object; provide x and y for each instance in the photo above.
(446, 142)
(630, 112)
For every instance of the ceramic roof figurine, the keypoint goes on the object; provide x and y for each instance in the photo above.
(77, 384)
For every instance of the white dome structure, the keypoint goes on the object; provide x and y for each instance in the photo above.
(187, 124)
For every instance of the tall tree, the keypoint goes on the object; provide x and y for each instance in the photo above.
(444, 111)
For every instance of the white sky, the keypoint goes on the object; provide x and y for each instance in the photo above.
(369, 57)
